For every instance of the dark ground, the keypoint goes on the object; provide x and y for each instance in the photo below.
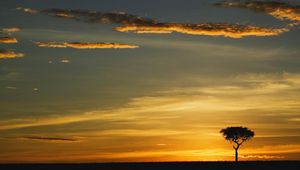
(248, 165)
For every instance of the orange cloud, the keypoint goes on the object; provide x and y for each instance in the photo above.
(83, 45)
(10, 30)
(4, 54)
(226, 30)
(8, 40)
(279, 10)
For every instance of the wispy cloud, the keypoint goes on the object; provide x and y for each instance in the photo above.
(270, 93)
(279, 10)
(83, 45)
(49, 139)
(65, 61)
(8, 40)
(5, 54)
(295, 119)
(272, 157)
(11, 87)
(10, 30)
(27, 10)
(221, 29)
(268, 150)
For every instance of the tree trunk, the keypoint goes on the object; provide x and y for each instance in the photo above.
(236, 155)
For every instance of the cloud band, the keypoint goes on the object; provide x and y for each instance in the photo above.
(83, 45)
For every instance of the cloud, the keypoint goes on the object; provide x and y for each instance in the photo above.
(50, 139)
(27, 10)
(267, 150)
(83, 45)
(137, 24)
(295, 119)
(98, 17)
(5, 54)
(135, 132)
(161, 144)
(8, 40)
(51, 44)
(259, 93)
(279, 10)
(10, 30)
(272, 157)
(11, 87)
(198, 111)
(226, 30)
(65, 61)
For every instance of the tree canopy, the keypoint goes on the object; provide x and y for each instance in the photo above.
(237, 135)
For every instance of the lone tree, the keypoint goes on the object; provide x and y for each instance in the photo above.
(237, 135)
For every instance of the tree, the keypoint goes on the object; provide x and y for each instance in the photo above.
(237, 135)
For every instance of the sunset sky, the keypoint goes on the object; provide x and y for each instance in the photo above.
(139, 80)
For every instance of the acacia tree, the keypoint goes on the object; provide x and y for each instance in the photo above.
(237, 135)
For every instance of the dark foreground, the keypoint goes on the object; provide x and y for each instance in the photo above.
(268, 165)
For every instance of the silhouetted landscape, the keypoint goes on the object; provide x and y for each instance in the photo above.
(248, 165)
(149, 84)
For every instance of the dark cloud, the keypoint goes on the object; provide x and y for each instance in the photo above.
(99, 17)
(279, 10)
(83, 45)
(51, 139)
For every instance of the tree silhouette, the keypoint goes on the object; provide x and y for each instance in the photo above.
(237, 135)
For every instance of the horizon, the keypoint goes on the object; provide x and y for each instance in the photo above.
(139, 81)
(158, 162)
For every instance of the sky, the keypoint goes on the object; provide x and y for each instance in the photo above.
(137, 80)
